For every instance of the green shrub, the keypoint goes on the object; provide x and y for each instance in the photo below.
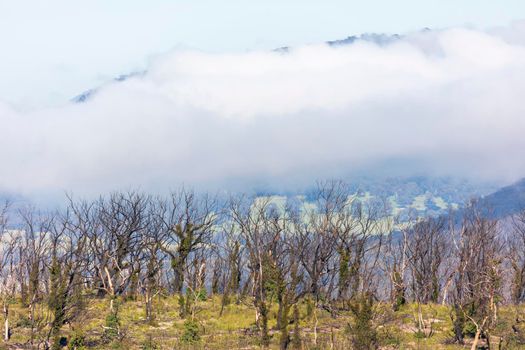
(309, 307)
(419, 335)
(23, 322)
(202, 295)
(112, 327)
(191, 332)
(362, 332)
(470, 329)
(77, 340)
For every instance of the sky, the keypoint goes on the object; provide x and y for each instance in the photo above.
(53, 50)
(216, 108)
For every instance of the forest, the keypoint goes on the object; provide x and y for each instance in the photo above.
(193, 270)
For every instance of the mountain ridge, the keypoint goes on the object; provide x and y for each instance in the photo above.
(380, 39)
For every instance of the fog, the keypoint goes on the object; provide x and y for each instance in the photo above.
(446, 102)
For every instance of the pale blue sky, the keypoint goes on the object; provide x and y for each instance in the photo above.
(51, 50)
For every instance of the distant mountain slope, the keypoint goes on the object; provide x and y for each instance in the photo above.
(405, 196)
(379, 39)
(505, 201)
(86, 95)
(423, 196)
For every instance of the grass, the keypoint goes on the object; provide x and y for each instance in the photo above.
(235, 328)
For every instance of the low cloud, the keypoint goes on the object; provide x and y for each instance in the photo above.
(448, 102)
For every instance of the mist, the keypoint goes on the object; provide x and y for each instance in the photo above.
(445, 102)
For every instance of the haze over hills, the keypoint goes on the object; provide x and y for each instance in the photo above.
(417, 195)
(367, 105)
(429, 196)
(425, 195)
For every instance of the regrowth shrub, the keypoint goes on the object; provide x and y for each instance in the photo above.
(191, 332)
(77, 341)
(362, 332)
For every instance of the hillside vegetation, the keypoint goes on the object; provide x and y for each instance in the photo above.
(236, 328)
(136, 271)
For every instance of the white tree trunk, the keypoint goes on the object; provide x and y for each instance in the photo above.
(315, 324)
(6, 323)
(476, 339)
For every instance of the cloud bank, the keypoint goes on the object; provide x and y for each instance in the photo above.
(440, 102)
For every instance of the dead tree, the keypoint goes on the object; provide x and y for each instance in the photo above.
(153, 259)
(9, 241)
(477, 280)
(33, 251)
(314, 243)
(187, 221)
(116, 240)
(426, 251)
(257, 222)
(395, 263)
(516, 256)
(68, 245)
(360, 228)
(229, 252)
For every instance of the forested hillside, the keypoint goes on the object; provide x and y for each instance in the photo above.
(190, 270)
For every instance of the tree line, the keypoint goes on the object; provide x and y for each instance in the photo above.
(333, 251)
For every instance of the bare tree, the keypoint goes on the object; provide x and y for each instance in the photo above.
(516, 255)
(9, 241)
(477, 275)
(286, 270)
(116, 240)
(361, 228)
(315, 245)
(258, 224)
(426, 250)
(229, 256)
(188, 221)
(426, 247)
(33, 252)
(154, 260)
(395, 266)
(67, 262)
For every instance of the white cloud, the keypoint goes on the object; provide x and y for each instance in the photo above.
(447, 102)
